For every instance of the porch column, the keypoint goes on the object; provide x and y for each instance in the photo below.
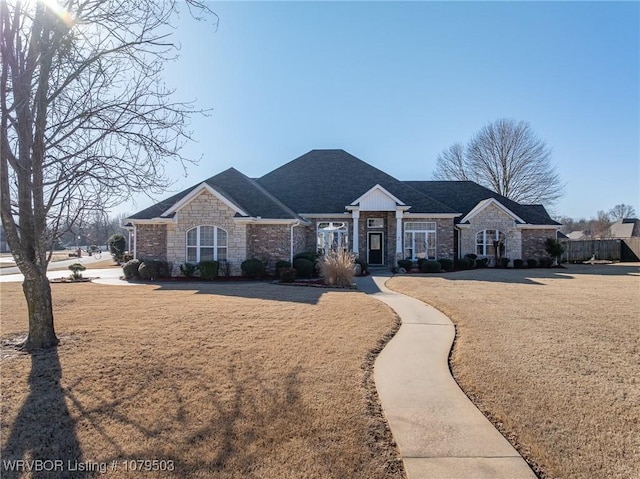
(355, 215)
(399, 214)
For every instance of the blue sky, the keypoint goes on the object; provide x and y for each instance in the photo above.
(395, 83)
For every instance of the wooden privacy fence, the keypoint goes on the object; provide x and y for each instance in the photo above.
(611, 249)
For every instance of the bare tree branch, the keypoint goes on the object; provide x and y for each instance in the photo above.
(508, 158)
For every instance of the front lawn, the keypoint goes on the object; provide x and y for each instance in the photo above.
(552, 356)
(219, 380)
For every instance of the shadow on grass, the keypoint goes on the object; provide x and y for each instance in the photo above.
(529, 276)
(43, 433)
(252, 290)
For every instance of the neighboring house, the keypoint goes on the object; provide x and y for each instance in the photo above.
(329, 199)
(625, 228)
(579, 235)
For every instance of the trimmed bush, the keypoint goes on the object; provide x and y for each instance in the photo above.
(130, 269)
(188, 269)
(472, 260)
(117, 244)
(336, 268)
(152, 270)
(546, 262)
(430, 267)
(462, 263)
(253, 268)
(281, 265)
(518, 263)
(287, 275)
(503, 262)
(312, 256)
(407, 264)
(76, 270)
(208, 269)
(446, 264)
(532, 263)
(482, 262)
(304, 267)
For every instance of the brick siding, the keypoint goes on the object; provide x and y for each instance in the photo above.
(533, 243)
(151, 242)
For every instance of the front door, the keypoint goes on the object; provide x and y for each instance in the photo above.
(375, 248)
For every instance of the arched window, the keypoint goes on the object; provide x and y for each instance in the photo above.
(332, 236)
(486, 242)
(206, 243)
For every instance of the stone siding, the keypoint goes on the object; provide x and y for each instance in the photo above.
(207, 210)
(493, 218)
(533, 242)
(151, 242)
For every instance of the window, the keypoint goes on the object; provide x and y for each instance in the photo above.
(420, 240)
(206, 243)
(375, 223)
(332, 236)
(486, 242)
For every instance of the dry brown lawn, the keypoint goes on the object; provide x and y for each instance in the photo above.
(246, 380)
(552, 356)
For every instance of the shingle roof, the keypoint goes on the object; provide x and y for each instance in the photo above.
(463, 196)
(625, 228)
(325, 181)
(237, 188)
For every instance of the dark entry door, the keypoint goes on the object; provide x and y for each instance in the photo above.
(376, 252)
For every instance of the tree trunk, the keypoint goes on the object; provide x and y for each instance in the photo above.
(37, 291)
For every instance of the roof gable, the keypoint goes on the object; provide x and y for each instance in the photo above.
(484, 204)
(194, 193)
(377, 199)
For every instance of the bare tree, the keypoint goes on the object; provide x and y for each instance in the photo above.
(507, 157)
(622, 211)
(601, 225)
(86, 121)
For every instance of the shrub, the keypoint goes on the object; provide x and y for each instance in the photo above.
(253, 268)
(407, 264)
(503, 262)
(130, 269)
(304, 267)
(336, 268)
(532, 263)
(553, 247)
(76, 270)
(208, 269)
(308, 255)
(154, 269)
(281, 265)
(546, 262)
(287, 275)
(189, 269)
(430, 267)
(364, 266)
(482, 262)
(117, 244)
(462, 263)
(446, 264)
(472, 259)
(518, 263)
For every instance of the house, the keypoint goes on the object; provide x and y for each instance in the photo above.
(625, 228)
(328, 199)
(579, 235)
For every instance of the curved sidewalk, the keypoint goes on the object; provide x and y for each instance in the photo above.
(439, 432)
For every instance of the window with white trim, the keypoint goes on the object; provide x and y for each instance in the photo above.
(420, 240)
(206, 243)
(486, 241)
(332, 236)
(374, 223)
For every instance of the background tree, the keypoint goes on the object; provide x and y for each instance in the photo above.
(621, 211)
(86, 122)
(507, 157)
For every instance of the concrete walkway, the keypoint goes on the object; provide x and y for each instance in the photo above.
(439, 432)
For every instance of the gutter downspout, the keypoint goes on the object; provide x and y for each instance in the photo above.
(293, 225)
